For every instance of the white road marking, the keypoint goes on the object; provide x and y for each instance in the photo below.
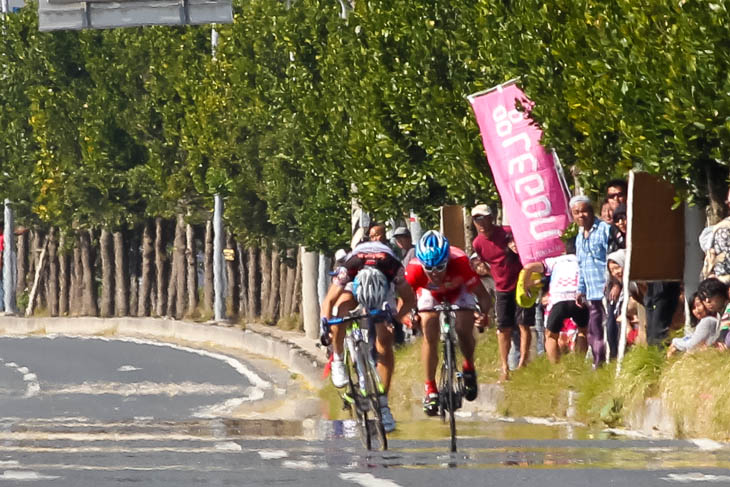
(368, 480)
(226, 408)
(128, 368)
(23, 370)
(273, 454)
(23, 475)
(145, 389)
(299, 465)
(30, 377)
(706, 444)
(228, 446)
(686, 478)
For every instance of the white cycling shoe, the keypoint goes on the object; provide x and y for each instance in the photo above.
(338, 374)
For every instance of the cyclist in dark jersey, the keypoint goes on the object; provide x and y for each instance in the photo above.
(340, 300)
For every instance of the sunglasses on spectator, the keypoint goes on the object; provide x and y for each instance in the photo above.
(614, 195)
(435, 268)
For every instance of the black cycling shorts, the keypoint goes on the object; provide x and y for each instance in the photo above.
(563, 310)
(509, 314)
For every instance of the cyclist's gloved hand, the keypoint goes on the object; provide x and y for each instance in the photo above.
(481, 321)
(324, 333)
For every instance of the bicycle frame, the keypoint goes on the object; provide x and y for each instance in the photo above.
(365, 395)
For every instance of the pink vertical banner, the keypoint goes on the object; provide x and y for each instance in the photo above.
(526, 175)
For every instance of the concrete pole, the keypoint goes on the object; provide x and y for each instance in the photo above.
(310, 300)
(219, 277)
(323, 281)
(415, 227)
(694, 222)
(10, 261)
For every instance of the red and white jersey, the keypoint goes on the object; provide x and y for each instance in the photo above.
(563, 271)
(459, 274)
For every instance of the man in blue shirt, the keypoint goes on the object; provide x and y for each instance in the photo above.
(591, 246)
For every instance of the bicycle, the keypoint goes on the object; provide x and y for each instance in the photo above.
(451, 379)
(364, 386)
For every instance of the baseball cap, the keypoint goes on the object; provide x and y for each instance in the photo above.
(483, 210)
(401, 231)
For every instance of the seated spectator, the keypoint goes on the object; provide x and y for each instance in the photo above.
(706, 329)
(615, 262)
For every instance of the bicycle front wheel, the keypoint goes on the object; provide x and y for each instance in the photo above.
(447, 389)
(378, 438)
(357, 403)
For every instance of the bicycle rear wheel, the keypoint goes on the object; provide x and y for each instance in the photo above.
(356, 403)
(447, 389)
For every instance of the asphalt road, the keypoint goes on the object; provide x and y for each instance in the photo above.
(85, 412)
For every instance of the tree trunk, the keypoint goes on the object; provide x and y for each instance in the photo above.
(77, 278)
(160, 259)
(121, 305)
(107, 276)
(89, 304)
(288, 284)
(283, 272)
(133, 258)
(53, 273)
(144, 303)
(179, 264)
(242, 282)
(64, 274)
(296, 299)
(191, 255)
(253, 283)
(39, 266)
(265, 280)
(274, 300)
(208, 287)
(232, 297)
(22, 247)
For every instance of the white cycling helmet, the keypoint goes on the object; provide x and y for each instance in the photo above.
(370, 287)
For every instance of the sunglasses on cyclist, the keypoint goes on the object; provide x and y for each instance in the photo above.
(435, 268)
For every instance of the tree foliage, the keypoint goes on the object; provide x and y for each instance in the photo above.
(302, 111)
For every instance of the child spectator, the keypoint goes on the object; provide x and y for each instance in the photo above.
(706, 329)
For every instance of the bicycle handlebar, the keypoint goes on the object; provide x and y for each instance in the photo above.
(325, 323)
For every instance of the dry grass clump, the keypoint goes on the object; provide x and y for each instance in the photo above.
(695, 389)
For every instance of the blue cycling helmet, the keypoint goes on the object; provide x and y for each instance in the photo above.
(432, 249)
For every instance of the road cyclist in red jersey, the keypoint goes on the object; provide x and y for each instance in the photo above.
(342, 298)
(442, 273)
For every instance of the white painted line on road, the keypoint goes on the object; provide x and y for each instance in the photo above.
(368, 480)
(687, 478)
(128, 368)
(30, 377)
(235, 364)
(9, 463)
(707, 444)
(23, 475)
(226, 408)
(300, 465)
(32, 387)
(273, 454)
(145, 389)
(228, 446)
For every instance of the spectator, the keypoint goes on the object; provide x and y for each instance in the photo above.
(592, 247)
(618, 229)
(615, 262)
(564, 273)
(606, 211)
(376, 233)
(616, 190)
(404, 242)
(492, 247)
(715, 242)
(706, 328)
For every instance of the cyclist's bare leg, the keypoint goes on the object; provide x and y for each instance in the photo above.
(581, 342)
(525, 339)
(552, 349)
(429, 345)
(384, 347)
(465, 331)
(504, 339)
(345, 303)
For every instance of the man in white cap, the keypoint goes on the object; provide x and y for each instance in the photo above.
(591, 245)
(494, 245)
(403, 240)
